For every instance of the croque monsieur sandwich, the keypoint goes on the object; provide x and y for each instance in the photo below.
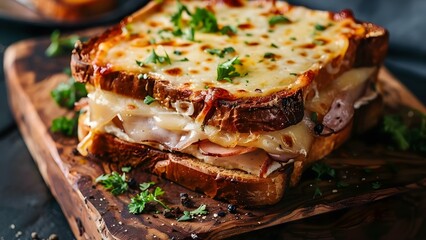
(233, 98)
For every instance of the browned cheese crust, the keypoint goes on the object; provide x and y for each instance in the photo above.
(216, 105)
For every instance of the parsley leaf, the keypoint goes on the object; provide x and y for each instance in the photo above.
(396, 128)
(204, 20)
(317, 192)
(220, 53)
(155, 58)
(60, 45)
(407, 133)
(148, 100)
(228, 30)
(64, 125)
(320, 27)
(321, 169)
(176, 18)
(66, 94)
(376, 185)
(278, 19)
(113, 182)
(138, 203)
(126, 169)
(189, 34)
(144, 186)
(226, 71)
(201, 210)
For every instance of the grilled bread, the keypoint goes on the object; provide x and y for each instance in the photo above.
(226, 97)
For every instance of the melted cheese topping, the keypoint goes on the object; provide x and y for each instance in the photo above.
(310, 41)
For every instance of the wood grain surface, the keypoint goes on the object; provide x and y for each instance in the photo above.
(94, 213)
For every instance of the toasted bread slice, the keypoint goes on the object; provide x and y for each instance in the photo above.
(282, 67)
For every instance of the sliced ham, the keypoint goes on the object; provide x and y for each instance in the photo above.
(208, 148)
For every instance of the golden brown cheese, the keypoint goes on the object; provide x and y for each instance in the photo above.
(272, 56)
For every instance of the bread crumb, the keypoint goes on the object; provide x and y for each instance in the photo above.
(18, 234)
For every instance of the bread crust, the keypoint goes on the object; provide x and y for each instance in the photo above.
(234, 186)
(218, 107)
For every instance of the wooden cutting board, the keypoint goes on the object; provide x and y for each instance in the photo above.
(369, 171)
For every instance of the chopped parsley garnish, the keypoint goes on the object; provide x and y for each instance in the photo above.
(60, 45)
(148, 100)
(322, 169)
(293, 38)
(204, 20)
(183, 60)
(320, 27)
(176, 18)
(155, 58)
(319, 42)
(293, 74)
(274, 45)
(113, 182)
(64, 125)
(317, 192)
(341, 184)
(188, 215)
(269, 55)
(66, 94)
(376, 185)
(127, 29)
(126, 169)
(226, 71)
(138, 203)
(278, 19)
(228, 30)
(220, 53)
(189, 34)
(407, 136)
(144, 186)
(177, 52)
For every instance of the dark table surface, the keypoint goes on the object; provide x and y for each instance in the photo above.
(26, 205)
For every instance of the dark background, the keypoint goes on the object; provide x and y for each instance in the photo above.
(27, 205)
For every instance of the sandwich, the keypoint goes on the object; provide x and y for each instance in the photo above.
(233, 99)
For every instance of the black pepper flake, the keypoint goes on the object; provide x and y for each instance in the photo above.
(172, 213)
(185, 200)
(232, 208)
(221, 214)
(133, 184)
(319, 127)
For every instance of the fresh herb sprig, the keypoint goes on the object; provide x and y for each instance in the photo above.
(139, 202)
(155, 58)
(189, 215)
(278, 19)
(64, 125)
(67, 94)
(113, 182)
(226, 71)
(60, 45)
(204, 20)
(322, 169)
(405, 135)
(220, 52)
(176, 18)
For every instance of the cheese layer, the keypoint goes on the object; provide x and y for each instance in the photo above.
(273, 56)
(163, 128)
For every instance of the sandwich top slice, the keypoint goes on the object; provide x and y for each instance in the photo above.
(226, 97)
